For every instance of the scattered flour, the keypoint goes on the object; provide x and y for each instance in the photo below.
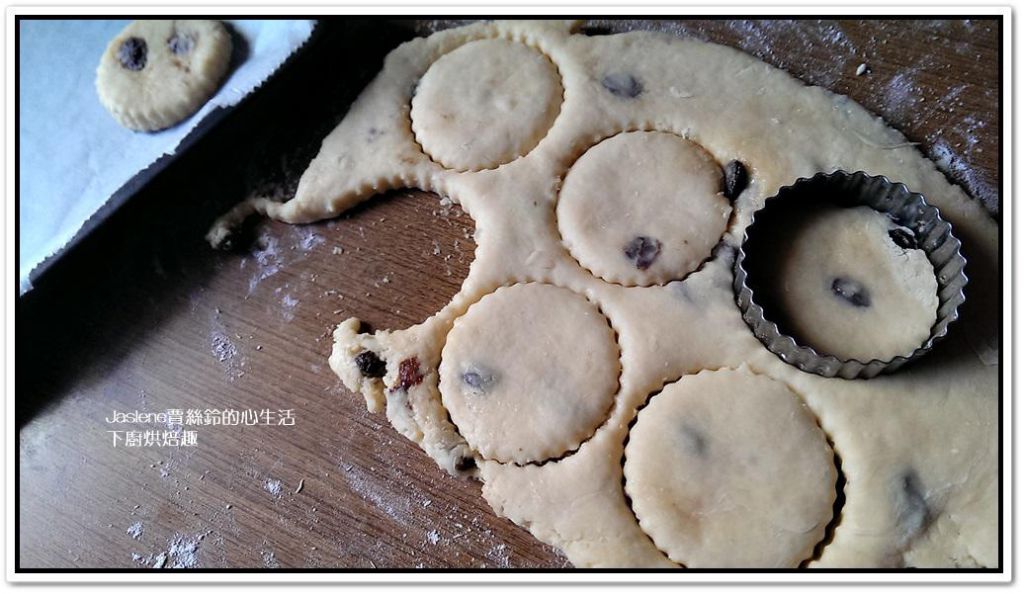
(183, 550)
(365, 484)
(289, 303)
(160, 560)
(135, 530)
(226, 353)
(273, 487)
(902, 94)
(268, 260)
(308, 239)
(269, 559)
(221, 346)
(224, 350)
(499, 555)
(182, 553)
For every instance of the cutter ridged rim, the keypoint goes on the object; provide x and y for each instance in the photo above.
(936, 238)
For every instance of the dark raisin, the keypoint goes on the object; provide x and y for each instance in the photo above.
(694, 440)
(622, 85)
(642, 251)
(480, 380)
(903, 237)
(912, 513)
(736, 179)
(465, 464)
(851, 291)
(132, 53)
(370, 365)
(409, 374)
(181, 43)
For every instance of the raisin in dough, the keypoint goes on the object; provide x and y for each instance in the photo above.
(513, 380)
(656, 224)
(846, 289)
(485, 104)
(918, 449)
(730, 469)
(155, 74)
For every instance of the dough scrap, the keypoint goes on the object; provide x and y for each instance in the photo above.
(512, 377)
(642, 208)
(730, 469)
(938, 418)
(485, 104)
(156, 73)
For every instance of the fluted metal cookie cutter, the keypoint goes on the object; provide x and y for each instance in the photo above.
(907, 209)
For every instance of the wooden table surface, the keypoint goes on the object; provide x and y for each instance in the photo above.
(144, 316)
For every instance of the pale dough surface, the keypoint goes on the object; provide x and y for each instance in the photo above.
(730, 469)
(919, 449)
(642, 208)
(485, 104)
(848, 290)
(178, 70)
(525, 392)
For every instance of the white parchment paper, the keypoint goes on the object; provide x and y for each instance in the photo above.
(72, 154)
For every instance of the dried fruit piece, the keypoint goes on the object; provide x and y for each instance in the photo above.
(409, 374)
(642, 251)
(912, 513)
(181, 43)
(736, 179)
(479, 380)
(904, 238)
(465, 464)
(370, 365)
(622, 85)
(694, 440)
(851, 291)
(132, 53)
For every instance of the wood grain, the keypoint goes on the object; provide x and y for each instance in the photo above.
(143, 316)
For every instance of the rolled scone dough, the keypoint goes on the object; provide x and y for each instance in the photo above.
(918, 449)
(156, 73)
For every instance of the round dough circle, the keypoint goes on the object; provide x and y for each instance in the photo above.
(486, 103)
(730, 469)
(846, 289)
(643, 208)
(529, 373)
(181, 64)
